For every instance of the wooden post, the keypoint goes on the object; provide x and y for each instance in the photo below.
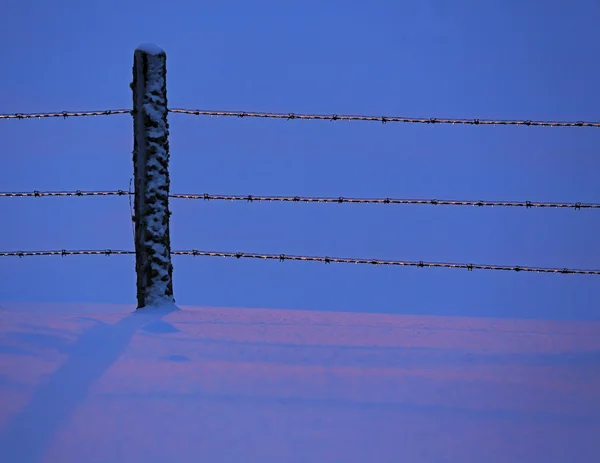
(151, 173)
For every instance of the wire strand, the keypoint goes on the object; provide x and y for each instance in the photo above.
(384, 119)
(316, 199)
(405, 201)
(325, 117)
(65, 114)
(41, 194)
(325, 259)
(65, 252)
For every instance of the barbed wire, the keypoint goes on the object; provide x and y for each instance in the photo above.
(65, 252)
(323, 259)
(402, 263)
(326, 117)
(384, 119)
(434, 202)
(316, 199)
(65, 114)
(41, 194)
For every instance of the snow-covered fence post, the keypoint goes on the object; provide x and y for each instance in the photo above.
(151, 173)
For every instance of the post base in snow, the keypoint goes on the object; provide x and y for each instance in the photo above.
(159, 307)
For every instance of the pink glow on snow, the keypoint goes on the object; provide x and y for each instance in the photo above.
(98, 383)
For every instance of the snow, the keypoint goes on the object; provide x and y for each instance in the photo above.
(150, 48)
(161, 305)
(92, 383)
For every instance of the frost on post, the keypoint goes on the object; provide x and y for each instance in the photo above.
(151, 172)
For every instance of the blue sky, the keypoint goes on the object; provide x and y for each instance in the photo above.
(502, 60)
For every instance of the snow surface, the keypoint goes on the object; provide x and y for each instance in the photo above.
(150, 48)
(93, 383)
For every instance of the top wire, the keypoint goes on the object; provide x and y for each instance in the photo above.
(313, 199)
(385, 119)
(323, 117)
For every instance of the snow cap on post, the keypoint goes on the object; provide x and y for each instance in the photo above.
(151, 172)
(150, 49)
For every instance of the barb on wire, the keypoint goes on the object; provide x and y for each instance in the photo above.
(384, 119)
(316, 199)
(327, 260)
(65, 114)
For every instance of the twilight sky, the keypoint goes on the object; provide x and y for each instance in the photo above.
(502, 60)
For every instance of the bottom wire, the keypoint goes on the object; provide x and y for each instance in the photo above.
(324, 259)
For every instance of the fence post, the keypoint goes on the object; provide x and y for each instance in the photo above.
(151, 173)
